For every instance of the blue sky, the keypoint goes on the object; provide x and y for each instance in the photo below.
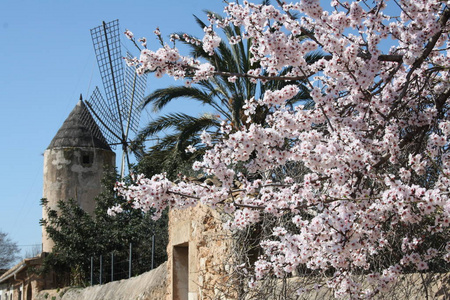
(46, 61)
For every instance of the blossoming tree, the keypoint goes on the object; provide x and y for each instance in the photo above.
(375, 145)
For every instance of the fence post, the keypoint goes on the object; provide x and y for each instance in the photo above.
(129, 263)
(153, 250)
(92, 270)
(112, 266)
(101, 269)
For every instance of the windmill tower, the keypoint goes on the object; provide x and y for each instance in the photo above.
(74, 164)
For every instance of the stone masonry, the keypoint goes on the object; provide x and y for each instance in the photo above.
(197, 254)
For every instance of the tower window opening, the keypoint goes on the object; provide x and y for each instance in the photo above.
(86, 159)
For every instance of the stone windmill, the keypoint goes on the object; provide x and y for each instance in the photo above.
(81, 152)
(75, 163)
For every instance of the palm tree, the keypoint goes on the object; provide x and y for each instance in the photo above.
(225, 98)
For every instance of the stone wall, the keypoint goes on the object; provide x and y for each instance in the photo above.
(198, 267)
(148, 286)
(197, 254)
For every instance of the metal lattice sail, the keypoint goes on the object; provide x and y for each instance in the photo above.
(117, 114)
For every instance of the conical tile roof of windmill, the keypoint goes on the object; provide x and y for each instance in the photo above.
(79, 130)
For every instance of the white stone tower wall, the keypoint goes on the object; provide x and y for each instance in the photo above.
(73, 173)
(74, 164)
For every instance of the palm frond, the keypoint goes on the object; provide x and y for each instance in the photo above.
(171, 120)
(193, 129)
(313, 56)
(200, 22)
(161, 97)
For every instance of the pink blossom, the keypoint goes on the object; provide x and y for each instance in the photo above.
(372, 147)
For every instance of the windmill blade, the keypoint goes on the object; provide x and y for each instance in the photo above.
(106, 40)
(106, 117)
(134, 94)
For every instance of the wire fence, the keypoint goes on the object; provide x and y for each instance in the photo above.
(117, 266)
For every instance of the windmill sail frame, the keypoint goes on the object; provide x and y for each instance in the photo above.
(106, 40)
(110, 127)
(119, 113)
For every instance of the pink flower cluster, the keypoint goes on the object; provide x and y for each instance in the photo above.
(210, 41)
(374, 146)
